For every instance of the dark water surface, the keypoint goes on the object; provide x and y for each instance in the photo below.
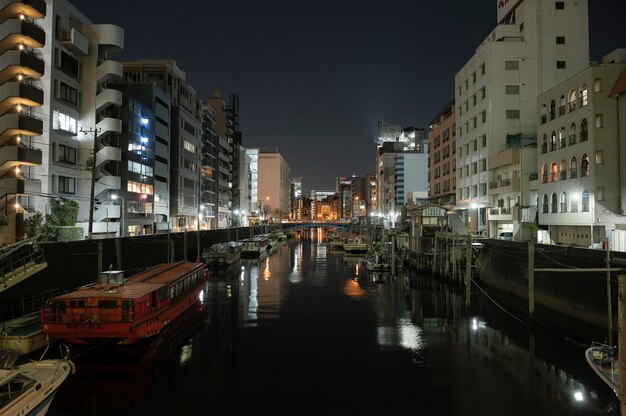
(309, 329)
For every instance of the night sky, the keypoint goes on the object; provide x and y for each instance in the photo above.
(315, 77)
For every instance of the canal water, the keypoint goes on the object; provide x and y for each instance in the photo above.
(307, 328)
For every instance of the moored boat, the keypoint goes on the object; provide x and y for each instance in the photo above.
(223, 254)
(355, 245)
(602, 359)
(28, 389)
(125, 310)
(377, 261)
(253, 247)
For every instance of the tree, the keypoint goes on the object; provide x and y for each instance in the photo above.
(64, 212)
(4, 221)
(33, 227)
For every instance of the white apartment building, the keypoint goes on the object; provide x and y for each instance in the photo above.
(579, 168)
(78, 106)
(536, 45)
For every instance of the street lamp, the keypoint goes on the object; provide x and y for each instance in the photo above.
(114, 197)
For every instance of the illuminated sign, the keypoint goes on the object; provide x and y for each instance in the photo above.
(505, 7)
(433, 212)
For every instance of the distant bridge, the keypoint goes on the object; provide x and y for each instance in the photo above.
(342, 225)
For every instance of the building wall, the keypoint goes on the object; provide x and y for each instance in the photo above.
(442, 157)
(273, 183)
(599, 145)
(496, 90)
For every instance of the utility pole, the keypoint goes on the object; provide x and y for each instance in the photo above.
(95, 132)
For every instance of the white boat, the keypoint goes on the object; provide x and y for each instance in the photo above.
(28, 389)
(602, 359)
(355, 245)
(223, 254)
(377, 261)
(253, 247)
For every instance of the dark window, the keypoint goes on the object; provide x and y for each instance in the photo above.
(161, 140)
(107, 304)
(163, 103)
(559, 5)
(560, 40)
(160, 159)
(160, 178)
(67, 185)
(163, 122)
(560, 64)
(67, 154)
(69, 64)
(68, 94)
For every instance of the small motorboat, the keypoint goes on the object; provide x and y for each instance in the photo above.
(602, 359)
(28, 389)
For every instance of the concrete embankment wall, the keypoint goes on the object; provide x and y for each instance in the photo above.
(579, 296)
(77, 263)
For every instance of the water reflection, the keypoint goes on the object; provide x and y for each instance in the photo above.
(319, 327)
(352, 289)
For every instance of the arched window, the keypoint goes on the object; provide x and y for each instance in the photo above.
(554, 172)
(584, 134)
(553, 141)
(544, 143)
(574, 202)
(544, 205)
(572, 100)
(544, 173)
(573, 168)
(563, 170)
(584, 201)
(544, 114)
(584, 165)
(562, 138)
(563, 201)
(583, 95)
(552, 110)
(554, 205)
(572, 134)
(562, 105)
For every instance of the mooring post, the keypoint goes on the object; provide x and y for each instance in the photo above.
(609, 306)
(468, 271)
(118, 252)
(621, 351)
(531, 278)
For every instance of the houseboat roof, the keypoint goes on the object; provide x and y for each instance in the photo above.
(137, 285)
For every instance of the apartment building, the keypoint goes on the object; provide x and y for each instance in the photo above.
(579, 166)
(536, 45)
(442, 157)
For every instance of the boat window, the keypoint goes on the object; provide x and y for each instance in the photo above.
(59, 306)
(13, 388)
(77, 303)
(107, 304)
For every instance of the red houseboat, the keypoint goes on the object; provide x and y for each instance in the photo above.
(125, 310)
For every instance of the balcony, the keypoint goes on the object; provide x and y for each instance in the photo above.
(106, 211)
(107, 182)
(16, 31)
(108, 154)
(15, 62)
(21, 186)
(503, 186)
(76, 41)
(109, 69)
(35, 9)
(109, 125)
(107, 98)
(24, 124)
(504, 158)
(14, 93)
(110, 35)
(11, 156)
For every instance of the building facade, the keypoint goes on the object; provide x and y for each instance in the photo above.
(536, 45)
(274, 185)
(442, 158)
(578, 141)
